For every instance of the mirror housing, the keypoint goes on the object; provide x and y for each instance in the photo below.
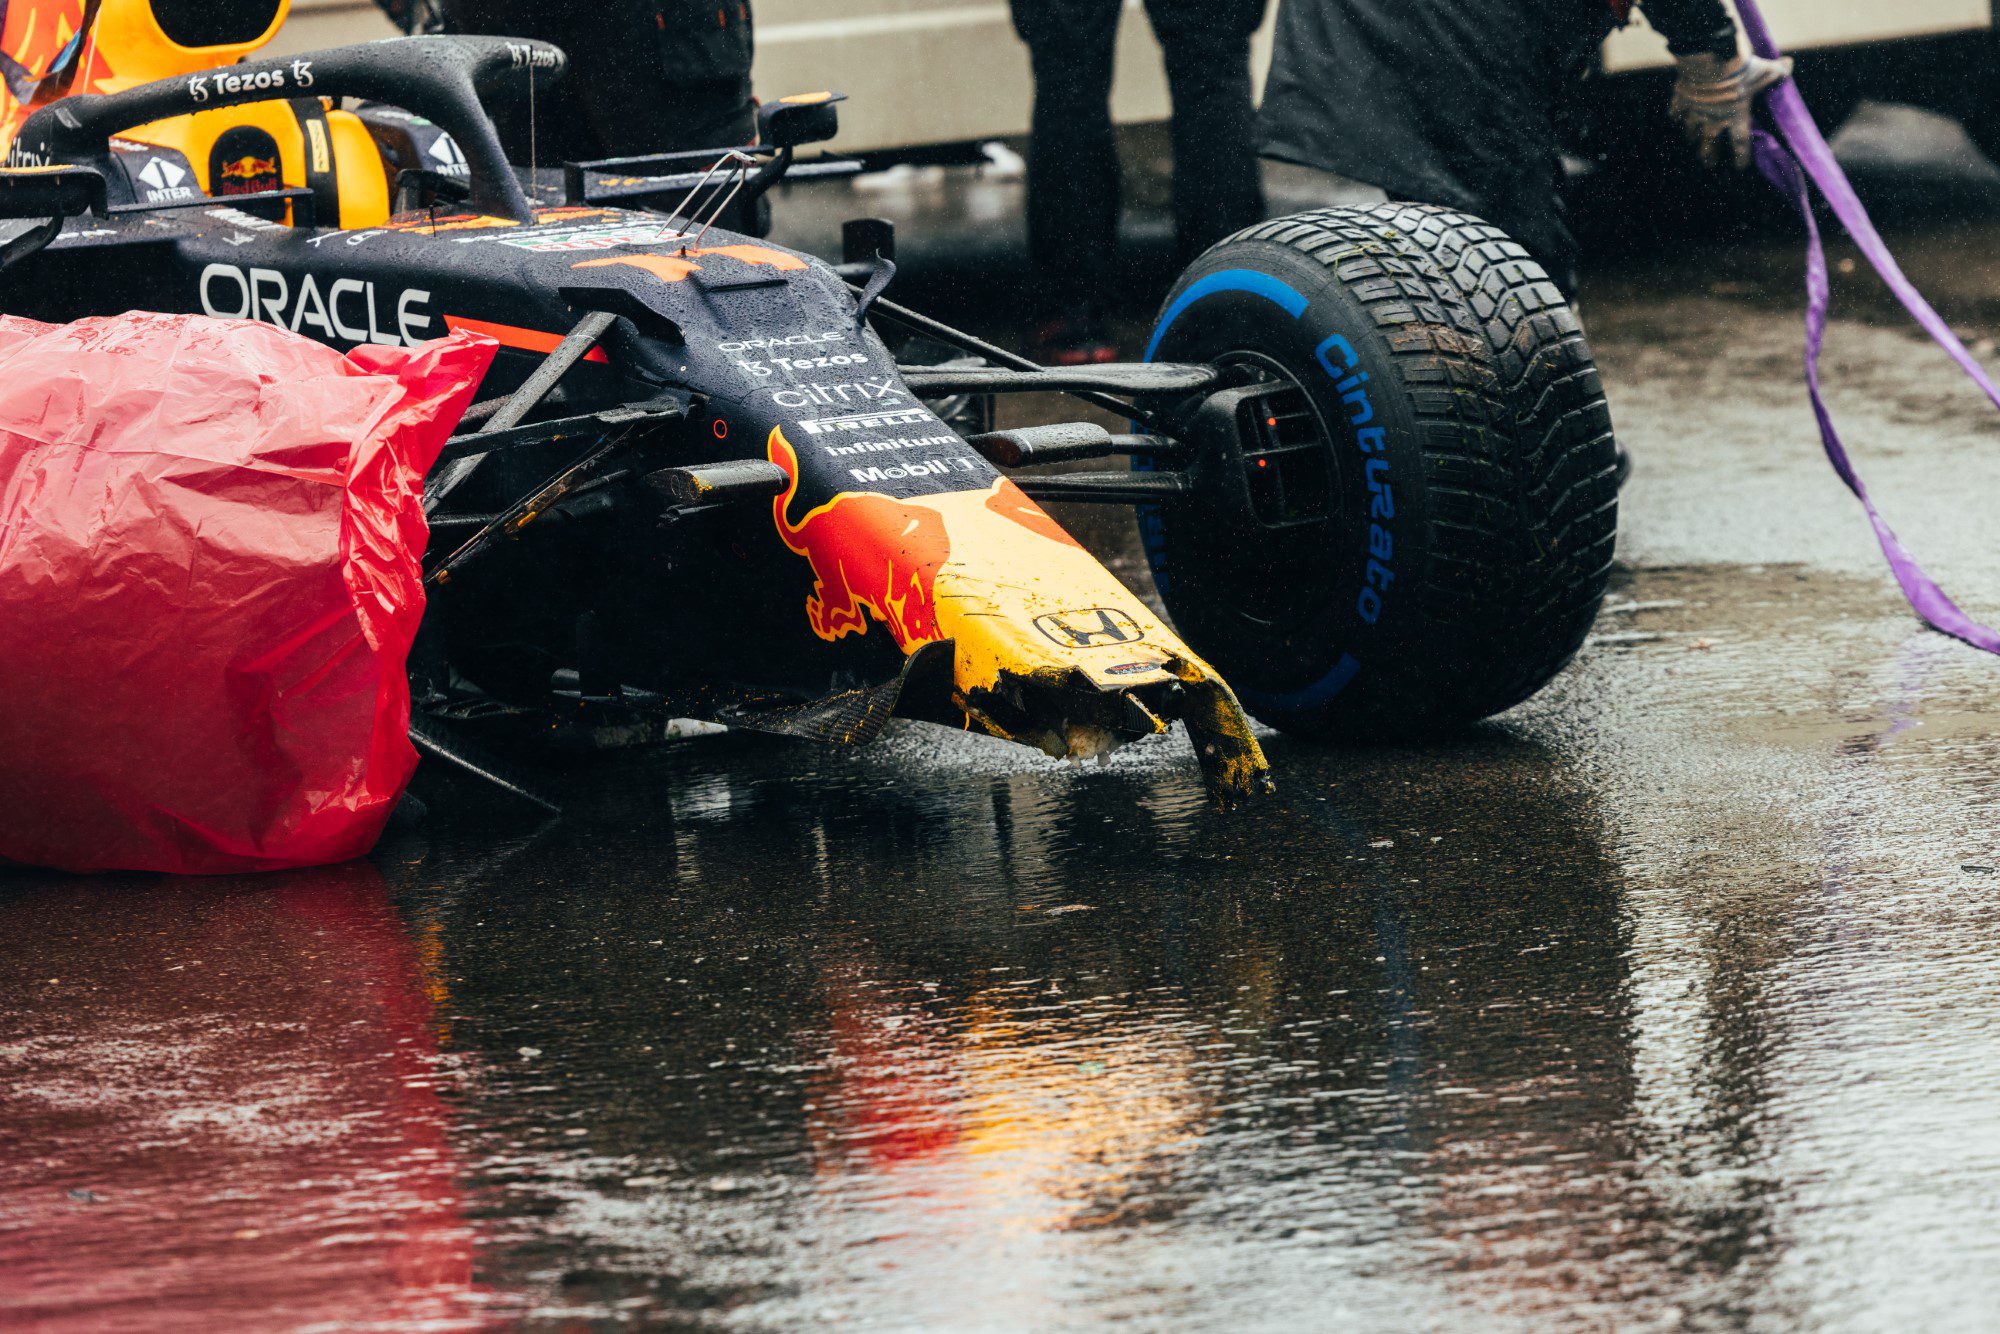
(802, 118)
(50, 192)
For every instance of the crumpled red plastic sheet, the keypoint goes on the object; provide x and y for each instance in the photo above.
(210, 546)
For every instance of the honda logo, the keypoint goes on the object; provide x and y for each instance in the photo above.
(1095, 628)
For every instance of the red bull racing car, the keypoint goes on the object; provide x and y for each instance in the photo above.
(1372, 462)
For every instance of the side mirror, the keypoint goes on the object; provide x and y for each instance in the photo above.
(45, 196)
(802, 118)
(50, 192)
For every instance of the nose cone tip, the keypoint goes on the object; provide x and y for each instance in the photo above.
(1233, 765)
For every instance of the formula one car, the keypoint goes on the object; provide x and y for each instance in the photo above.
(1371, 458)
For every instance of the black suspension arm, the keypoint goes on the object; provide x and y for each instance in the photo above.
(1141, 377)
(958, 338)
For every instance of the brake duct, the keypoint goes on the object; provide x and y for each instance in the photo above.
(1050, 650)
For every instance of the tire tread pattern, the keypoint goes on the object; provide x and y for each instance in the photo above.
(1520, 461)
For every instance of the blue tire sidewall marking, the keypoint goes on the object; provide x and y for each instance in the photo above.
(1275, 290)
(1152, 530)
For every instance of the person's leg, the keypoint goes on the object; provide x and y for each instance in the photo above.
(673, 116)
(1073, 171)
(670, 75)
(496, 18)
(1216, 185)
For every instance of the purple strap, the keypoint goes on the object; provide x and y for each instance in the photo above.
(1804, 153)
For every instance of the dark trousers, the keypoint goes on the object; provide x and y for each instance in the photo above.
(1073, 170)
(645, 76)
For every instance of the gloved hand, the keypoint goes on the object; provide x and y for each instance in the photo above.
(1714, 96)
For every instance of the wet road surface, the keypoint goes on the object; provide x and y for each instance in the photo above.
(1669, 1000)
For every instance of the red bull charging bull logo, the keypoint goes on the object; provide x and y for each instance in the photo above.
(868, 551)
(248, 168)
(248, 176)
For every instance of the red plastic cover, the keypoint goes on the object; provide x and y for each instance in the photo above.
(210, 536)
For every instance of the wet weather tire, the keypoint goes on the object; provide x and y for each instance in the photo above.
(1434, 523)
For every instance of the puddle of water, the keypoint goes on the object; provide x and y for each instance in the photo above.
(1659, 1002)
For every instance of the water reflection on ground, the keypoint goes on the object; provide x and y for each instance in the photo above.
(1049, 1046)
(1655, 1005)
(219, 1106)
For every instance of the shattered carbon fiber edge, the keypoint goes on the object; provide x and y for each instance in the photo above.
(1232, 763)
(852, 718)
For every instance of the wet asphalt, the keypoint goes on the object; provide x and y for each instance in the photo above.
(1670, 1000)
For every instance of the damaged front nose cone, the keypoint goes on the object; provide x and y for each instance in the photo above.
(1047, 648)
(1052, 651)
(1068, 716)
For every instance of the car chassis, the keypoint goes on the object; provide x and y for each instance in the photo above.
(601, 560)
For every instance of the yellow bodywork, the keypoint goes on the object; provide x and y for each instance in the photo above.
(1014, 590)
(348, 151)
(58, 48)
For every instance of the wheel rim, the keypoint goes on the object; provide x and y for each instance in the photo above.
(1295, 488)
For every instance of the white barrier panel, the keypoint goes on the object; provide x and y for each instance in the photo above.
(1801, 25)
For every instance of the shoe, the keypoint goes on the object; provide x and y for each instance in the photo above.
(1075, 340)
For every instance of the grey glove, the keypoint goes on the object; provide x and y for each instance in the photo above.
(1714, 97)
